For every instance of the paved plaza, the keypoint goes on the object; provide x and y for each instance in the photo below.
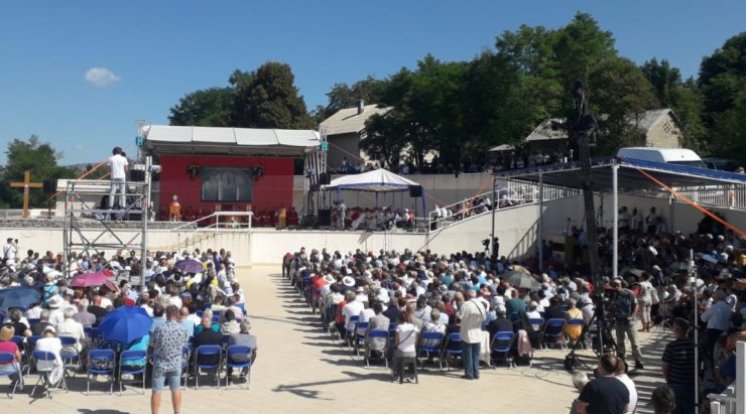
(301, 369)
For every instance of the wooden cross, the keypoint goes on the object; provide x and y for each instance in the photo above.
(26, 184)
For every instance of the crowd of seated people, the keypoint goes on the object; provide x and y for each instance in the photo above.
(66, 321)
(654, 281)
(374, 219)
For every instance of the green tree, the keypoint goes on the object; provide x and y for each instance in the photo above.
(268, 98)
(621, 96)
(683, 97)
(387, 137)
(722, 81)
(722, 76)
(729, 131)
(40, 158)
(205, 107)
(581, 48)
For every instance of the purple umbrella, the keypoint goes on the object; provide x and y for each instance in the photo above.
(85, 280)
(189, 266)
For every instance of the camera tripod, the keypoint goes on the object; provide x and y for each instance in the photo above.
(603, 342)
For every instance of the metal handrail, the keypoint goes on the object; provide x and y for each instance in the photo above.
(512, 192)
(216, 215)
(726, 196)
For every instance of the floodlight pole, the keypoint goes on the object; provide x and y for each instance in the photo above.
(581, 129)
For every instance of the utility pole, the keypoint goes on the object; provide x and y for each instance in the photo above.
(580, 130)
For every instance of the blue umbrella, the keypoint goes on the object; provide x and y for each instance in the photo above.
(19, 297)
(189, 266)
(125, 324)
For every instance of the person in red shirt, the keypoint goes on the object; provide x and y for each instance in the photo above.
(7, 345)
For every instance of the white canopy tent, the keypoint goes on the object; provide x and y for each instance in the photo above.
(379, 181)
(376, 181)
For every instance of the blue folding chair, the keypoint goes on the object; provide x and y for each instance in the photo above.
(238, 357)
(31, 342)
(377, 341)
(350, 328)
(70, 358)
(553, 332)
(32, 322)
(392, 333)
(8, 359)
(199, 313)
(186, 352)
(132, 363)
(431, 344)
(214, 353)
(101, 363)
(43, 371)
(97, 338)
(502, 347)
(361, 329)
(20, 342)
(536, 323)
(452, 348)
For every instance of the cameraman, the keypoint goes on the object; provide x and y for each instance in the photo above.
(625, 309)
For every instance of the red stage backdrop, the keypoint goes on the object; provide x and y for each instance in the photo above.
(270, 192)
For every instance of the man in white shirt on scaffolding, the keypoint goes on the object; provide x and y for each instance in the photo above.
(118, 167)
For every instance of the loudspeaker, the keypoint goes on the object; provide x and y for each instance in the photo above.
(324, 179)
(137, 176)
(325, 217)
(415, 191)
(50, 186)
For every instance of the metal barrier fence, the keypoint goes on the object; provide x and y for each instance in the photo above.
(725, 196)
(508, 193)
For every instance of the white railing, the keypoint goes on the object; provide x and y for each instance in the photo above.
(215, 223)
(508, 193)
(725, 196)
(13, 213)
(195, 232)
(722, 404)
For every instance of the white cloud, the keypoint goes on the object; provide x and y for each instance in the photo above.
(101, 77)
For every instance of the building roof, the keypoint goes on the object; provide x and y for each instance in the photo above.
(629, 178)
(163, 139)
(650, 118)
(552, 128)
(348, 121)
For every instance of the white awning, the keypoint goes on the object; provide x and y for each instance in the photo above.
(165, 139)
(380, 180)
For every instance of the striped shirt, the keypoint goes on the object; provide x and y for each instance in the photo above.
(679, 354)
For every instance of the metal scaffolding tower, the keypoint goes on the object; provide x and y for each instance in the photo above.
(91, 229)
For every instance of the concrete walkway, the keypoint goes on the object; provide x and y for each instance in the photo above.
(301, 369)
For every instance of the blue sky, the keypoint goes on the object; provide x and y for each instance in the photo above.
(148, 54)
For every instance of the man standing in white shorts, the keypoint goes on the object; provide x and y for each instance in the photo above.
(118, 167)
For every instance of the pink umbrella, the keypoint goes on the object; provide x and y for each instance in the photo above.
(85, 280)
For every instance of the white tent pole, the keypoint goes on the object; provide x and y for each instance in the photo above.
(693, 280)
(615, 207)
(541, 221)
